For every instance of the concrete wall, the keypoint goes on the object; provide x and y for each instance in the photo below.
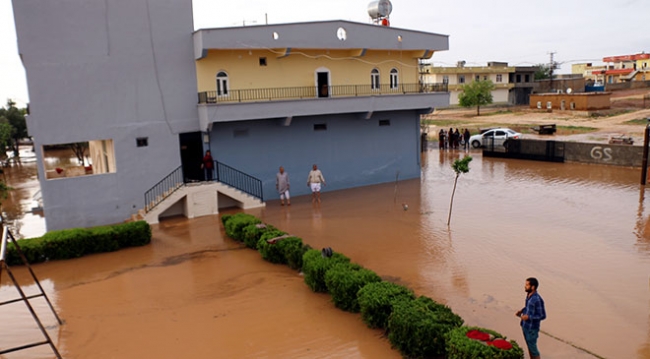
(118, 70)
(546, 85)
(351, 152)
(618, 155)
(627, 85)
(582, 101)
(299, 68)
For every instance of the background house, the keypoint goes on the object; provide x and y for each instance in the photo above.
(512, 84)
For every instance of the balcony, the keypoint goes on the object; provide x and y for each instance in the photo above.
(286, 103)
(311, 92)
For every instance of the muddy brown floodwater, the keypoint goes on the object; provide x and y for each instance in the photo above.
(582, 230)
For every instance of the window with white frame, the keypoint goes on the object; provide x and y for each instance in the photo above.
(445, 79)
(222, 84)
(394, 79)
(461, 79)
(499, 78)
(374, 79)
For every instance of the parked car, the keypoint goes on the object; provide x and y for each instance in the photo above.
(498, 135)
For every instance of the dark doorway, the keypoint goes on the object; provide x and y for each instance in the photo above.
(323, 84)
(192, 156)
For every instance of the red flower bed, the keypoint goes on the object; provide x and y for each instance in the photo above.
(501, 344)
(485, 337)
(478, 335)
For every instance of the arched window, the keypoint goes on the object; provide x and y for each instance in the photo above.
(374, 79)
(222, 84)
(394, 79)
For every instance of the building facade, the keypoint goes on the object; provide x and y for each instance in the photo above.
(118, 75)
(149, 96)
(340, 94)
(512, 84)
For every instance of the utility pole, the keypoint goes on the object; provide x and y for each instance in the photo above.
(551, 67)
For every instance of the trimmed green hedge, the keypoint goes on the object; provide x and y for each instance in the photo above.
(235, 224)
(77, 242)
(344, 280)
(376, 302)
(459, 346)
(314, 267)
(418, 328)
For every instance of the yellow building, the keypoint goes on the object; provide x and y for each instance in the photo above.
(341, 94)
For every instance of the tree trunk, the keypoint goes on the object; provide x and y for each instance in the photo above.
(478, 110)
(451, 202)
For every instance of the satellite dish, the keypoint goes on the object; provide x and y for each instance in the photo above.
(569, 90)
(380, 9)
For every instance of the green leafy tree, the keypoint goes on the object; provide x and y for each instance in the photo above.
(476, 93)
(543, 72)
(460, 167)
(15, 117)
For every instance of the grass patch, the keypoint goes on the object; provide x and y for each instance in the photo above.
(638, 121)
(444, 122)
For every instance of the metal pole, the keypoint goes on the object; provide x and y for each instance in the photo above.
(644, 163)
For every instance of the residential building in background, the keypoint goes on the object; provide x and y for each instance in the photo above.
(512, 84)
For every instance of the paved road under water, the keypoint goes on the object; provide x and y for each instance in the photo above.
(582, 230)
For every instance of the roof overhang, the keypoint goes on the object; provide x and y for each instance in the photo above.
(332, 35)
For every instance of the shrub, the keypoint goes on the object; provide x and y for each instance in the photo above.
(132, 234)
(417, 328)
(293, 249)
(314, 266)
(225, 218)
(459, 346)
(344, 280)
(376, 302)
(271, 252)
(77, 242)
(236, 223)
(253, 232)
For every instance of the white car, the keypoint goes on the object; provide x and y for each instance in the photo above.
(496, 136)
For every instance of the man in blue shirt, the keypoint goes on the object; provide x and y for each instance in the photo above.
(531, 316)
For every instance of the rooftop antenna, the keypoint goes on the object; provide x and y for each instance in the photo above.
(379, 12)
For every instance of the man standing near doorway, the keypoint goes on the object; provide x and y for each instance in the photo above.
(314, 181)
(531, 316)
(282, 185)
(207, 165)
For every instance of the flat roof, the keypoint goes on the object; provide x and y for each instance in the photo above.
(333, 35)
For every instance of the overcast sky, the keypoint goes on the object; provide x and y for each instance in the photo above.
(519, 32)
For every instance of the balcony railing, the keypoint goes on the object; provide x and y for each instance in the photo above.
(311, 92)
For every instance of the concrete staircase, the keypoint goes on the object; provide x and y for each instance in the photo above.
(195, 200)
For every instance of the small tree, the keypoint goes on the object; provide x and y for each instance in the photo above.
(543, 72)
(460, 167)
(476, 93)
(15, 117)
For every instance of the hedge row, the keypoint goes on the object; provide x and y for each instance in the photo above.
(77, 242)
(417, 327)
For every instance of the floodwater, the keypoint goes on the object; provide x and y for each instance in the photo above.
(582, 230)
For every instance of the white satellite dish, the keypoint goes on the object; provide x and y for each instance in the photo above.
(569, 90)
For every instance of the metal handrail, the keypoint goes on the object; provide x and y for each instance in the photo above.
(311, 92)
(239, 180)
(164, 188)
